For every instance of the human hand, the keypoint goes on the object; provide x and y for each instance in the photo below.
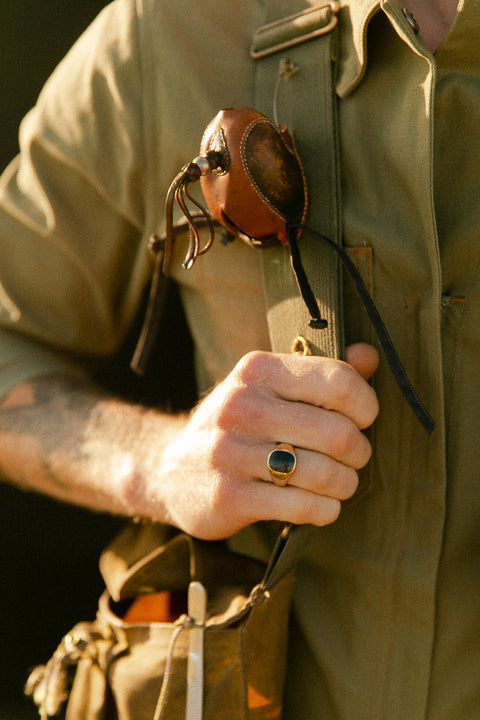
(213, 479)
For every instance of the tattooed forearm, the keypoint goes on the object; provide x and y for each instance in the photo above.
(64, 438)
(39, 415)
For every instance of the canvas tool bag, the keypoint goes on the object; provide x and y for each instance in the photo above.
(129, 664)
(186, 628)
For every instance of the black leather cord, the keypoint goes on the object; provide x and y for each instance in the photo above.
(371, 309)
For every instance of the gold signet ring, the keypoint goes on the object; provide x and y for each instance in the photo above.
(281, 463)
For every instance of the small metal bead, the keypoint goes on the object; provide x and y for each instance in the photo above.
(203, 165)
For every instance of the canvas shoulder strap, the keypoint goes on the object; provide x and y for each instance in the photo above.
(295, 53)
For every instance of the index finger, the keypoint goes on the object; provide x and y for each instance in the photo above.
(320, 381)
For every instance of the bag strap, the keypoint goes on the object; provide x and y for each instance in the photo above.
(295, 81)
(295, 56)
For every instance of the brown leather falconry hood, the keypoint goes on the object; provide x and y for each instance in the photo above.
(260, 184)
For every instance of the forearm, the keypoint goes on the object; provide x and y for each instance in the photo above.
(206, 473)
(69, 441)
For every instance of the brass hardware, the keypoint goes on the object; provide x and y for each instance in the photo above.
(271, 28)
(301, 346)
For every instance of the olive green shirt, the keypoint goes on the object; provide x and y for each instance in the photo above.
(386, 621)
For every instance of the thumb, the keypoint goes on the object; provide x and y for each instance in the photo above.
(363, 357)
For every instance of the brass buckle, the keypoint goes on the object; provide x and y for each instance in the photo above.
(301, 19)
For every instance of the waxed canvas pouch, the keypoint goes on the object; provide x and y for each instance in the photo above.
(127, 666)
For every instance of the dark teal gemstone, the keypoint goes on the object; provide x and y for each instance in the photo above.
(281, 461)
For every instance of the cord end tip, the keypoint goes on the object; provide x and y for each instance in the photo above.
(318, 323)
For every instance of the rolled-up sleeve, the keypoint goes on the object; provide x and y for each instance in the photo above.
(73, 262)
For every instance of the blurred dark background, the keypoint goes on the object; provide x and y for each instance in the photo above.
(49, 552)
(34, 36)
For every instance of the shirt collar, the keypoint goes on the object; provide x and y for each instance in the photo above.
(354, 18)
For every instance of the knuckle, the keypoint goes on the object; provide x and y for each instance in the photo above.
(243, 406)
(352, 392)
(234, 403)
(253, 366)
(348, 444)
(344, 438)
(338, 481)
(370, 408)
(363, 452)
(375, 406)
(349, 484)
(344, 382)
(331, 509)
